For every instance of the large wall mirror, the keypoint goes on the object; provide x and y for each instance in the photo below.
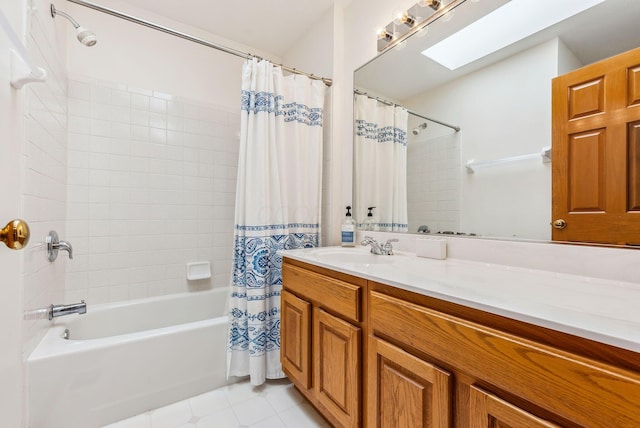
(489, 179)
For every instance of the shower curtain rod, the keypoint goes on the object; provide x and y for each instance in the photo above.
(389, 103)
(194, 39)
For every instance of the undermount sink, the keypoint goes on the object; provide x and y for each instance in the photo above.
(353, 256)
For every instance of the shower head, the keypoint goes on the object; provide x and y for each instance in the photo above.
(417, 129)
(86, 37)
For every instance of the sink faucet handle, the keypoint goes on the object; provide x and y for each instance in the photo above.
(388, 246)
(367, 240)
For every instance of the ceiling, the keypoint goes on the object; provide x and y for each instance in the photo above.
(268, 25)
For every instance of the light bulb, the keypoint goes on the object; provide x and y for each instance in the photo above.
(382, 33)
(403, 17)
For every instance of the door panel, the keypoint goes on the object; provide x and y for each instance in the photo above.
(595, 181)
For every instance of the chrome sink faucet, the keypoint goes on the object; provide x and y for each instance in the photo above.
(377, 248)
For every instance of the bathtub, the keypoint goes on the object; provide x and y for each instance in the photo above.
(125, 358)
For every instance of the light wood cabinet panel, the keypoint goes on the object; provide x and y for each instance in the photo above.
(337, 357)
(489, 411)
(296, 339)
(574, 388)
(404, 391)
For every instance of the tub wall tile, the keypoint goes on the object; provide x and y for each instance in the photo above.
(151, 187)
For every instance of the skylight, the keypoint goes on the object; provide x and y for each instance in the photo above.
(508, 24)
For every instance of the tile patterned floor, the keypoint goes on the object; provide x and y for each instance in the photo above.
(276, 404)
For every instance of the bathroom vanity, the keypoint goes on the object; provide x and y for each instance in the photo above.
(400, 341)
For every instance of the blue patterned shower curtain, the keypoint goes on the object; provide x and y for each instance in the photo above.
(381, 163)
(278, 203)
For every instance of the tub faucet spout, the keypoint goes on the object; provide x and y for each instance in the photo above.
(60, 310)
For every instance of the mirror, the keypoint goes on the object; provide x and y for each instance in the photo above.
(502, 104)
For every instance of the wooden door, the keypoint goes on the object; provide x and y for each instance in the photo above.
(336, 358)
(596, 152)
(295, 340)
(404, 391)
(489, 411)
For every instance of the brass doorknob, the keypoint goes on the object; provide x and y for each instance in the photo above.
(15, 234)
(559, 224)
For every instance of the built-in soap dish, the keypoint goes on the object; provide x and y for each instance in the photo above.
(198, 270)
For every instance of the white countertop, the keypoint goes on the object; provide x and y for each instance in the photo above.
(603, 310)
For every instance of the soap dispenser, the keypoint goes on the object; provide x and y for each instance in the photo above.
(370, 223)
(348, 230)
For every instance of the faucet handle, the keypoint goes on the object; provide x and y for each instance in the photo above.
(367, 240)
(388, 246)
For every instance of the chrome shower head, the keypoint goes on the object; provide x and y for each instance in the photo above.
(417, 129)
(86, 37)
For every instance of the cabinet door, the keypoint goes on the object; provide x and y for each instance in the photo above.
(405, 391)
(489, 411)
(336, 356)
(295, 339)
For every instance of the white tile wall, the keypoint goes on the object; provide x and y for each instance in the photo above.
(44, 181)
(433, 183)
(151, 187)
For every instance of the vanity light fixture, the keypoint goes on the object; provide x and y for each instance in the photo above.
(514, 21)
(407, 22)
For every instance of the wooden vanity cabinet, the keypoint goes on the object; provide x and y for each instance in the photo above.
(371, 355)
(322, 339)
(498, 379)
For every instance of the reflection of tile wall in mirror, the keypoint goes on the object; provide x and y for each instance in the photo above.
(433, 183)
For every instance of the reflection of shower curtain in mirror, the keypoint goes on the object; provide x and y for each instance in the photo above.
(278, 204)
(381, 163)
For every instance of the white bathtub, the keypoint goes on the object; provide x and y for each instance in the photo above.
(126, 358)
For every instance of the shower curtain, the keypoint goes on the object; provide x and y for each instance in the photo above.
(381, 163)
(278, 202)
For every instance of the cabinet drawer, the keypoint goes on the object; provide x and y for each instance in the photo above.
(575, 388)
(340, 297)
